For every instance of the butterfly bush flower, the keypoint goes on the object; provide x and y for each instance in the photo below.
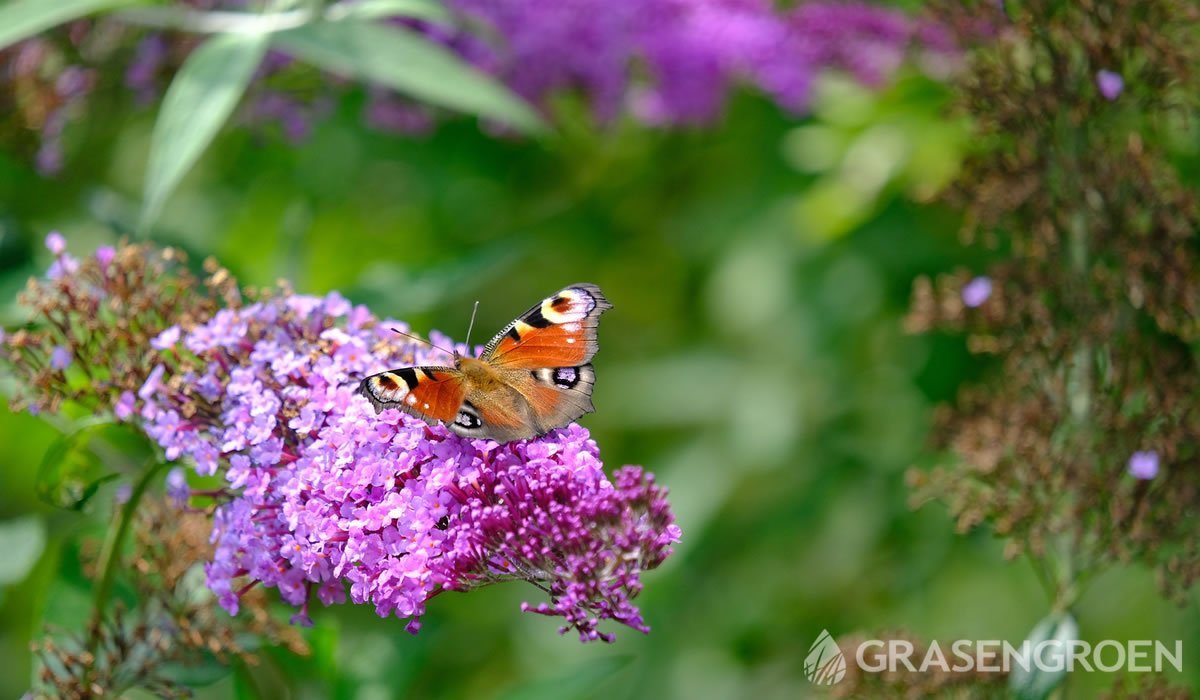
(693, 50)
(977, 291)
(664, 62)
(1110, 84)
(326, 500)
(1144, 465)
(60, 358)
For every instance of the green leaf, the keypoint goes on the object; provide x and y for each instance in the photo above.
(22, 19)
(407, 62)
(198, 102)
(22, 541)
(1050, 643)
(427, 10)
(70, 473)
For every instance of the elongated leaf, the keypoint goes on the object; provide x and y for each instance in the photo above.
(428, 10)
(407, 62)
(22, 19)
(22, 541)
(198, 102)
(70, 473)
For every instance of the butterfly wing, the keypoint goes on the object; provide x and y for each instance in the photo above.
(560, 331)
(557, 395)
(544, 356)
(430, 393)
(533, 377)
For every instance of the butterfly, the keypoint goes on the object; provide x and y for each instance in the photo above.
(533, 377)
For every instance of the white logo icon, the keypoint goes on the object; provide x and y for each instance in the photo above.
(825, 664)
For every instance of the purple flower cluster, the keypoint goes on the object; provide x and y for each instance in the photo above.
(323, 497)
(553, 519)
(693, 51)
(665, 62)
(45, 99)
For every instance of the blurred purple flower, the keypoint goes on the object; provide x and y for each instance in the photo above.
(105, 255)
(177, 487)
(167, 339)
(60, 358)
(1144, 465)
(64, 264)
(55, 243)
(125, 406)
(142, 74)
(977, 291)
(1111, 84)
(694, 50)
(328, 499)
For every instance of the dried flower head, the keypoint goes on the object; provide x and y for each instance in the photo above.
(92, 320)
(1082, 448)
(176, 621)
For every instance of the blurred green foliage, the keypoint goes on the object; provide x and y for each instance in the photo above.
(755, 361)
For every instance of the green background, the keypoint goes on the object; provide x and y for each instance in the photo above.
(755, 361)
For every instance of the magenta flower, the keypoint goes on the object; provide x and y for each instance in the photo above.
(976, 292)
(325, 499)
(1144, 465)
(55, 243)
(693, 50)
(105, 255)
(1110, 84)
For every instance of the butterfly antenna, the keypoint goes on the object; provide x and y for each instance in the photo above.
(422, 340)
(471, 325)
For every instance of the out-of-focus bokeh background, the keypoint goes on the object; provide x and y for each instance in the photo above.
(755, 361)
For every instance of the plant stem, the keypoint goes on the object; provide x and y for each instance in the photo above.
(110, 557)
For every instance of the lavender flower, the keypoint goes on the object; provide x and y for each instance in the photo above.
(142, 74)
(1110, 84)
(177, 486)
(1144, 465)
(694, 50)
(60, 358)
(63, 263)
(105, 255)
(167, 339)
(977, 291)
(55, 243)
(325, 498)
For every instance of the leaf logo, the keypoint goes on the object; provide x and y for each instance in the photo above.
(825, 664)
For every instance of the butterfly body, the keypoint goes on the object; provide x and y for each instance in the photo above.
(533, 376)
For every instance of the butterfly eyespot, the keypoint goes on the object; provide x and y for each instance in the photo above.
(467, 418)
(568, 306)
